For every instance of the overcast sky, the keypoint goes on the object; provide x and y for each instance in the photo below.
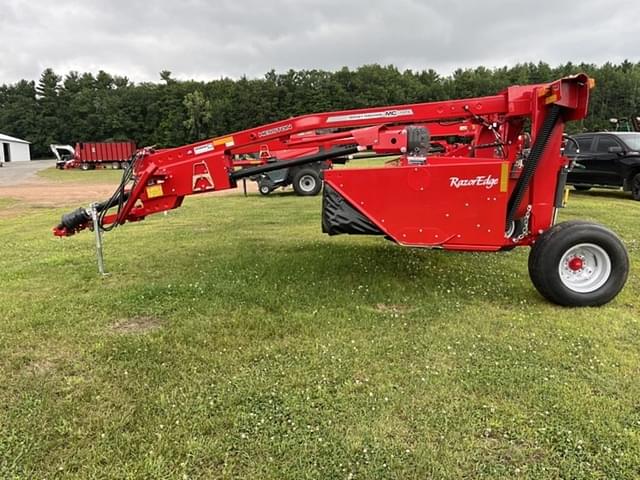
(203, 39)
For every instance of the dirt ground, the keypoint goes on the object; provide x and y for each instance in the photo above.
(47, 193)
(44, 192)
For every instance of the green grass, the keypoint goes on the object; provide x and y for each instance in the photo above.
(6, 202)
(234, 340)
(102, 175)
(366, 162)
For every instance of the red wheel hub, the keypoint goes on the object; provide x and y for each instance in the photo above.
(576, 263)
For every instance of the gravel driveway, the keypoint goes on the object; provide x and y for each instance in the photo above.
(19, 172)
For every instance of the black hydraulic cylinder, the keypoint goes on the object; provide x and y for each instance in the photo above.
(318, 157)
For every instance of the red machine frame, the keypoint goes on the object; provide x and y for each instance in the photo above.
(491, 194)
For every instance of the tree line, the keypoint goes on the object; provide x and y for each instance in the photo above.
(102, 107)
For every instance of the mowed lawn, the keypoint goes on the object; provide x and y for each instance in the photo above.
(234, 340)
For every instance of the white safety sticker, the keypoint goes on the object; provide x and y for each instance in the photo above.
(200, 149)
(371, 115)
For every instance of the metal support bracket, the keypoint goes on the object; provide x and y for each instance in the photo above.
(98, 233)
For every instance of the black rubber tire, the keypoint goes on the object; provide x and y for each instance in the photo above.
(635, 187)
(85, 166)
(582, 188)
(300, 185)
(264, 189)
(547, 252)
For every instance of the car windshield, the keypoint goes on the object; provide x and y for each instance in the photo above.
(632, 141)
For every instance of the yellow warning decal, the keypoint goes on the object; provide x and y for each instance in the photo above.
(226, 141)
(504, 177)
(154, 191)
(543, 92)
(551, 99)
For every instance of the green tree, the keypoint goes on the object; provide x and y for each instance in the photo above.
(87, 107)
(198, 114)
(49, 109)
(19, 112)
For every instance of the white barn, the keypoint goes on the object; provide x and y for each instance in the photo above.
(13, 149)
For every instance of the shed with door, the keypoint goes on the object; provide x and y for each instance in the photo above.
(14, 149)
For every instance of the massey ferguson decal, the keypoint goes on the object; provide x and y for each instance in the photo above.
(487, 181)
(370, 115)
(273, 131)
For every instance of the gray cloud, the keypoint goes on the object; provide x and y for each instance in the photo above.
(208, 39)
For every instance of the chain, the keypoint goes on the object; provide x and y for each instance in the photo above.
(525, 226)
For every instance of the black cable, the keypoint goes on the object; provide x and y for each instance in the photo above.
(575, 142)
(492, 127)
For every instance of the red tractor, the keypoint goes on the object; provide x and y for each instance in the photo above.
(494, 193)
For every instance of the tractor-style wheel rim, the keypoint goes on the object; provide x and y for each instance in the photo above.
(264, 189)
(584, 268)
(307, 183)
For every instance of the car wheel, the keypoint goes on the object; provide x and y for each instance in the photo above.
(582, 188)
(85, 167)
(306, 182)
(578, 264)
(635, 187)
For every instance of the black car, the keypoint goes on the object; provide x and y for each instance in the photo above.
(608, 159)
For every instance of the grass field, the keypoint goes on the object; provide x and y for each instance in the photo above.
(234, 340)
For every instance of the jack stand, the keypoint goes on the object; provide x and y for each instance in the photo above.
(244, 186)
(98, 232)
